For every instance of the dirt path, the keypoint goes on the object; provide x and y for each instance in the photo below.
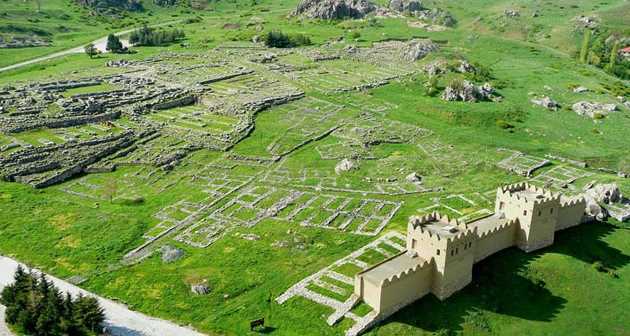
(120, 321)
(99, 44)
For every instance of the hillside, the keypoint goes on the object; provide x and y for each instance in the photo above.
(201, 179)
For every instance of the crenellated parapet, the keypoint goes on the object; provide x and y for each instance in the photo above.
(522, 192)
(422, 266)
(417, 222)
(573, 202)
(508, 225)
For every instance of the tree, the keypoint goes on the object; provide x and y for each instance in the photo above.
(88, 312)
(91, 50)
(613, 56)
(110, 189)
(34, 306)
(113, 44)
(585, 46)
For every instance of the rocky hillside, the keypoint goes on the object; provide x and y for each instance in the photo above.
(334, 9)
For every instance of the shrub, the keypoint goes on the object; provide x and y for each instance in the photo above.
(598, 266)
(504, 124)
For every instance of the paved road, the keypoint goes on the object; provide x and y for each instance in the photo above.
(120, 321)
(100, 44)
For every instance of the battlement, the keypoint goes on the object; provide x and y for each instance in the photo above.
(436, 226)
(573, 202)
(405, 272)
(435, 216)
(505, 226)
(524, 192)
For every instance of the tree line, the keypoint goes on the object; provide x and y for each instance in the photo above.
(278, 39)
(601, 49)
(147, 36)
(34, 306)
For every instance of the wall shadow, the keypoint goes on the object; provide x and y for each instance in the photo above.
(500, 284)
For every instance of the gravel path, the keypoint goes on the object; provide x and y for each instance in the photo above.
(4, 331)
(120, 321)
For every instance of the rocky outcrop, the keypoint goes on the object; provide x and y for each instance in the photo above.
(437, 16)
(512, 13)
(344, 166)
(547, 103)
(599, 195)
(200, 289)
(334, 9)
(405, 5)
(468, 92)
(417, 49)
(593, 110)
(171, 254)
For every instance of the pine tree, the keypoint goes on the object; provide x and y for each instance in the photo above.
(113, 44)
(612, 62)
(585, 46)
(88, 313)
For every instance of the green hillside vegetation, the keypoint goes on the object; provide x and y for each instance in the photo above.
(578, 286)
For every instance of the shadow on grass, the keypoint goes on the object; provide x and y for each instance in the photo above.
(501, 283)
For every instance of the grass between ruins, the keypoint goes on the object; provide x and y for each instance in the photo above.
(554, 291)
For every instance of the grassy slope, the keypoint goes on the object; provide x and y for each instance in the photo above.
(67, 235)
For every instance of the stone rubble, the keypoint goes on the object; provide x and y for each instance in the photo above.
(593, 110)
(171, 254)
(547, 103)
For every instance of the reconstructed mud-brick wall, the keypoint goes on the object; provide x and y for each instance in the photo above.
(453, 256)
(537, 216)
(406, 288)
(496, 240)
(571, 213)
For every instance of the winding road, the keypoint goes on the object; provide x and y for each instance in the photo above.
(99, 44)
(120, 321)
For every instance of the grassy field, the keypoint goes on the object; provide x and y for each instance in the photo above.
(75, 229)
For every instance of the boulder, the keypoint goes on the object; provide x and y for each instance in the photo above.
(334, 9)
(405, 5)
(436, 67)
(597, 196)
(414, 178)
(589, 22)
(437, 16)
(580, 89)
(604, 193)
(465, 67)
(200, 289)
(512, 13)
(250, 236)
(547, 103)
(417, 49)
(593, 110)
(466, 91)
(344, 166)
(170, 253)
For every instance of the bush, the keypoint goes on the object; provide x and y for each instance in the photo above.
(504, 124)
(598, 266)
